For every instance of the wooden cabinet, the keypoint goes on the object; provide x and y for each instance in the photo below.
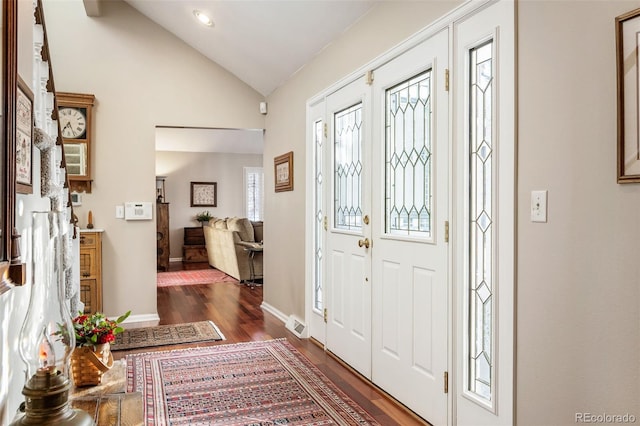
(194, 236)
(194, 248)
(162, 235)
(91, 270)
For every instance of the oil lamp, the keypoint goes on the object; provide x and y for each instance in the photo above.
(47, 336)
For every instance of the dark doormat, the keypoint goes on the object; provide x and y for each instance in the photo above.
(163, 335)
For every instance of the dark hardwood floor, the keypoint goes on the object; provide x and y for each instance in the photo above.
(235, 309)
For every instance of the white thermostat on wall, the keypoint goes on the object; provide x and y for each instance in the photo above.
(137, 211)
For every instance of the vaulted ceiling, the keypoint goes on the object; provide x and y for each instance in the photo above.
(262, 42)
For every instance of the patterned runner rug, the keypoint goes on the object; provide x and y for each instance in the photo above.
(256, 383)
(166, 335)
(197, 276)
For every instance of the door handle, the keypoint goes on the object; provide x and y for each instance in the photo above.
(364, 243)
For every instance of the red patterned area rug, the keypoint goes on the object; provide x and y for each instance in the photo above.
(256, 383)
(197, 276)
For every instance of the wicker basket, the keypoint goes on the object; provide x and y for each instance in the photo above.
(88, 366)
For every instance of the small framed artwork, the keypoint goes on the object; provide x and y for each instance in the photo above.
(24, 138)
(283, 169)
(628, 72)
(204, 194)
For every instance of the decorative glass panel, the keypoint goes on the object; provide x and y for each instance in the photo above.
(481, 229)
(408, 157)
(319, 216)
(348, 168)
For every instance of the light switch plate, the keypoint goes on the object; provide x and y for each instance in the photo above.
(120, 212)
(538, 206)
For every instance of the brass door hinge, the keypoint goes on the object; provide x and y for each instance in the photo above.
(325, 223)
(326, 130)
(446, 79)
(369, 78)
(446, 382)
(446, 231)
(325, 314)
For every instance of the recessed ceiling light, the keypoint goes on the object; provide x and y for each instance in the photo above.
(204, 19)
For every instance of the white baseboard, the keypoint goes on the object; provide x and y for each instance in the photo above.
(277, 313)
(290, 322)
(144, 320)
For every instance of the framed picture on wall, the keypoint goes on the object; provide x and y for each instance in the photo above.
(204, 194)
(627, 46)
(283, 165)
(24, 138)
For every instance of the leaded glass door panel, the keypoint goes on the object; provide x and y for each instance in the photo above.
(410, 260)
(347, 257)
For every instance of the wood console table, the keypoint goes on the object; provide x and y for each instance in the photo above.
(107, 403)
(118, 409)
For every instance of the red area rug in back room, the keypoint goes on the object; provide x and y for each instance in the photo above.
(199, 276)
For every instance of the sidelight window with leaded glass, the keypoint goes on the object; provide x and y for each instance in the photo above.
(408, 157)
(319, 215)
(347, 168)
(481, 222)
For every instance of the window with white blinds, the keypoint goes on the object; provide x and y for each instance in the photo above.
(254, 193)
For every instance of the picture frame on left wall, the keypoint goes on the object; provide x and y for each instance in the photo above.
(24, 138)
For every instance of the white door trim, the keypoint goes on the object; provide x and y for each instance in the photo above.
(313, 318)
(494, 22)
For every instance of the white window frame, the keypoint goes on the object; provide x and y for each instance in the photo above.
(249, 171)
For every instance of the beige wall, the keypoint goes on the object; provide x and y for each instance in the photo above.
(142, 76)
(578, 274)
(182, 168)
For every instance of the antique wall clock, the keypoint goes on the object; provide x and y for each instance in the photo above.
(76, 125)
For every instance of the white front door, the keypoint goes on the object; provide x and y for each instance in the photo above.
(348, 262)
(410, 252)
(401, 159)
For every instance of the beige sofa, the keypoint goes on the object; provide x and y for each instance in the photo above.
(227, 241)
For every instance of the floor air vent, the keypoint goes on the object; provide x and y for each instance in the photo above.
(296, 326)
